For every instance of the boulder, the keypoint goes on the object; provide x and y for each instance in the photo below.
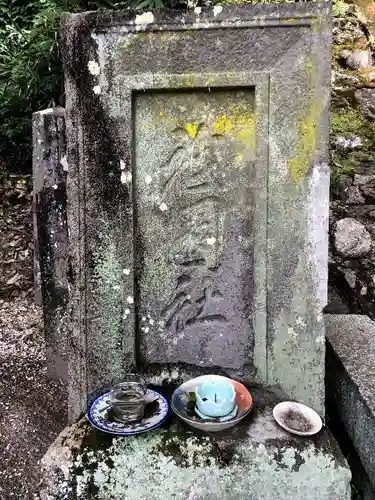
(351, 238)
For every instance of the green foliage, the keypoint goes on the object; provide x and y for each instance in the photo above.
(30, 72)
(30, 69)
(340, 8)
(337, 170)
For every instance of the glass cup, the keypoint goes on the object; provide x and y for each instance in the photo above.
(128, 398)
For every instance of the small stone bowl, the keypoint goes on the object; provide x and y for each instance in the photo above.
(215, 399)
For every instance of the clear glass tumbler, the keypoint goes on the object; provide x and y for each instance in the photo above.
(128, 398)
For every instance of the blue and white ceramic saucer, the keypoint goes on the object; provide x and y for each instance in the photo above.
(98, 409)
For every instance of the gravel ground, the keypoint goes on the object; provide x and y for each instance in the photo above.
(32, 407)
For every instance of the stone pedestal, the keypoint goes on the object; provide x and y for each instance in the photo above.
(254, 460)
(51, 233)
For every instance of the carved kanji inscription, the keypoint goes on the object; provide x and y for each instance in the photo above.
(193, 171)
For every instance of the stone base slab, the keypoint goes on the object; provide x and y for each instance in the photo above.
(256, 459)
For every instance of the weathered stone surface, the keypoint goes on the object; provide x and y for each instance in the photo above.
(195, 197)
(255, 459)
(357, 59)
(352, 238)
(353, 196)
(199, 231)
(51, 233)
(366, 99)
(351, 382)
(362, 180)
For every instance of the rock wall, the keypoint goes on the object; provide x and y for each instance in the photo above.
(352, 217)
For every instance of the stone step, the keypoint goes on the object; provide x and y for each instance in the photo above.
(350, 386)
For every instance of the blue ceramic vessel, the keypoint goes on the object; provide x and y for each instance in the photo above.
(215, 399)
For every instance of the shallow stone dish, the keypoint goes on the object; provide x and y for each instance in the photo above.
(297, 418)
(181, 397)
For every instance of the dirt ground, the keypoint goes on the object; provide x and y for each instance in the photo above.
(32, 408)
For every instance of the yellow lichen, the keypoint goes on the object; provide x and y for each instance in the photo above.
(316, 25)
(238, 159)
(238, 123)
(307, 143)
(211, 80)
(192, 129)
(189, 82)
(222, 125)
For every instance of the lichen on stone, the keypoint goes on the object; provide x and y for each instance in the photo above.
(175, 464)
(299, 164)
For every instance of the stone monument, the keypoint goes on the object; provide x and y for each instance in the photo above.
(197, 211)
(198, 194)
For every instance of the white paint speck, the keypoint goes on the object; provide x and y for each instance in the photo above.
(93, 67)
(96, 89)
(122, 165)
(148, 179)
(161, 323)
(126, 271)
(163, 207)
(126, 177)
(211, 240)
(143, 318)
(130, 300)
(55, 186)
(198, 10)
(145, 18)
(151, 321)
(146, 330)
(64, 163)
(292, 332)
(300, 321)
(217, 9)
(127, 311)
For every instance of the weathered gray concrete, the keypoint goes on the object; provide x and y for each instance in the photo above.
(350, 382)
(51, 233)
(254, 460)
(232, 278)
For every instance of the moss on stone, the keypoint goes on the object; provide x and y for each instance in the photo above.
(348, 123)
